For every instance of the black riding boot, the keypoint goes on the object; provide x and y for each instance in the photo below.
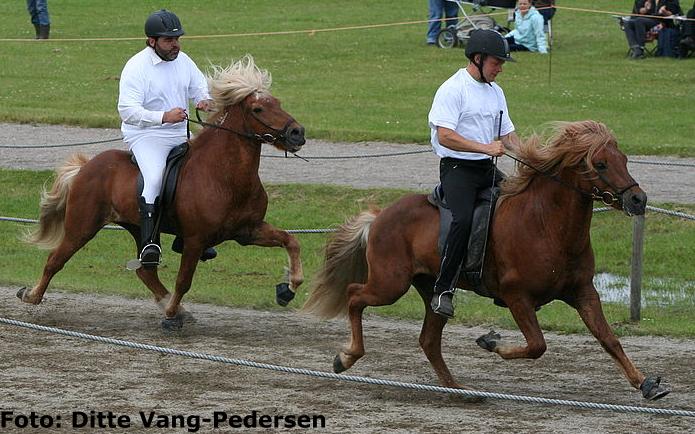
(38, 31)
(150, 253)
(209, 253)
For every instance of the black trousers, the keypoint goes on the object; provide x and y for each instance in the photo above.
(461, 181)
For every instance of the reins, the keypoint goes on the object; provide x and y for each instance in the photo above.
(607, 197)
(261, 138)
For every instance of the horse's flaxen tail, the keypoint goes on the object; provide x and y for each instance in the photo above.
(345, 263)
(51, 228)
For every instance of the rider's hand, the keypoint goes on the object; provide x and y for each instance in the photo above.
(495, 149)
(204, 105)
(174, 115)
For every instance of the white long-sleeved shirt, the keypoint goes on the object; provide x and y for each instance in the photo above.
(150, 86)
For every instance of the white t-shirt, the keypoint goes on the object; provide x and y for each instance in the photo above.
(470, 108)
(150, 86)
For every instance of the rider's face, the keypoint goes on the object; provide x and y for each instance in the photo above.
(167, 47)
(491, 67)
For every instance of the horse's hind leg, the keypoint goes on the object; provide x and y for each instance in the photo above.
(376, 292)
(431, 333)
(524, 314)
(81, 225)
(588, 306)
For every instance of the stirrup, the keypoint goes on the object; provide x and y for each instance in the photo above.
(151, 255)
(442, 303)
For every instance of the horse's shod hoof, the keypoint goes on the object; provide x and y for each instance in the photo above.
(489, 341)
(338, 366)
(172, 324)
(20, 292)
(283, 294)
(652, 389)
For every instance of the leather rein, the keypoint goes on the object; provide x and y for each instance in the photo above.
(606, 196)
(261, 138)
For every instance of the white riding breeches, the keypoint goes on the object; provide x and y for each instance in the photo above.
(151, 154)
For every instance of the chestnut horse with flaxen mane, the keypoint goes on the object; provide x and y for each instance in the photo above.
(219, 195)
(539, 250)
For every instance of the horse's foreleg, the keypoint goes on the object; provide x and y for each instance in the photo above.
(265, 235)
(150, 278)
(589, 308)
(525, 316)
(431, 334)
(174, 313)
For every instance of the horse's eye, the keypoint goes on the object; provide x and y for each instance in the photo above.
(601, 166)
(257, 109)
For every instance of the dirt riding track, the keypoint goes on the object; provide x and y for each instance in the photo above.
(57, 376)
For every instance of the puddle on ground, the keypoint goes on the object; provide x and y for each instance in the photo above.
(655, 292)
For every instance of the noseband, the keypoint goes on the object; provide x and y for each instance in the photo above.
(608, 197)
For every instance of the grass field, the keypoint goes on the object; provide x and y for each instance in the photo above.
(246, 276)
(374, 83)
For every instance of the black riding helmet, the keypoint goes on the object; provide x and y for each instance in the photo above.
(163, 23)
(487, 42)
(490, 42)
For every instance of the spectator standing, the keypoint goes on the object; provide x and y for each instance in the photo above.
(528, 34)
(38, 10)
(637, 26)
(439, 9)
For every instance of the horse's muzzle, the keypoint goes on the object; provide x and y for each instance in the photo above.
(634, 201)
(294, 138)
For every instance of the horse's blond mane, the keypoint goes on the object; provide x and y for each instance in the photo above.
(569, 143)
(240, 79)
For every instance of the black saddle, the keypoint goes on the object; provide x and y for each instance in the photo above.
(169, 182)
(472, 267)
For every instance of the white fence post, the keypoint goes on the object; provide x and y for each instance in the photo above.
(636, 271)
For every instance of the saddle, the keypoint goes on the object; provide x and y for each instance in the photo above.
(472, 266)
(168, 190)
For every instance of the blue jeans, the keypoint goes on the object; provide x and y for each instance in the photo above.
(440, 9)
(38, 9)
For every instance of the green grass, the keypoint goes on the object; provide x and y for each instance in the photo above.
(246, 276)
(366, 84)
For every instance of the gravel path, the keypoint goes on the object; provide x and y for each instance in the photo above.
(58, 376)
(415, 171)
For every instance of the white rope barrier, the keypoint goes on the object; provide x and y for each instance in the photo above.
(353, 378)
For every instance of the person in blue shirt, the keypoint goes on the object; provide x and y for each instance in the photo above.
(528, 34)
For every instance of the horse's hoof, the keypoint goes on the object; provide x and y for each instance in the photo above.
(652, 389)
(489, 341)
(20, 292)
(172, 324)
(283, 294)
(338, 366)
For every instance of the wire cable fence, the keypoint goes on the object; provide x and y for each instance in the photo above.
(324, 157)
(352, 378)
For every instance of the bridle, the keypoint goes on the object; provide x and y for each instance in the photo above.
(279, 134)
(607, 197)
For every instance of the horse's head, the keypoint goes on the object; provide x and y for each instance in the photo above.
(244, 88)
(270, 123)
(606, 166)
